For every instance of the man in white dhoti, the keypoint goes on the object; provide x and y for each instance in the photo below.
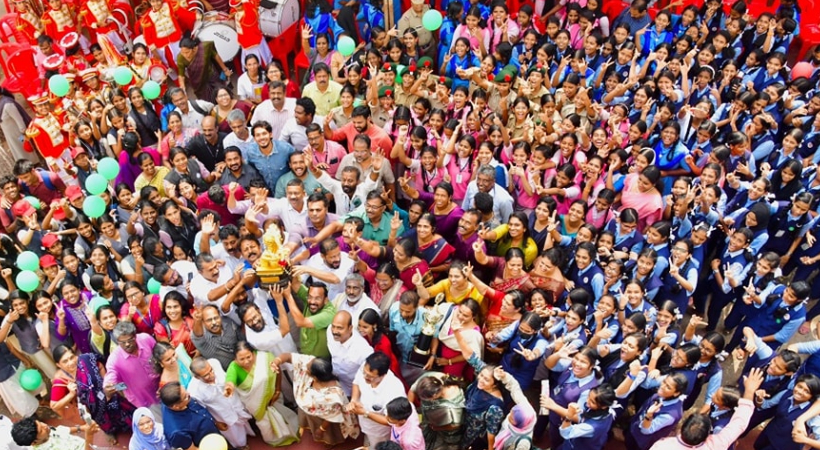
(208, 387)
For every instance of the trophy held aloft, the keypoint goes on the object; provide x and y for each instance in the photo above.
(273, 267)
(421, 351)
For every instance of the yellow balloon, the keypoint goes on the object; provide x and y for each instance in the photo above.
(213, 441)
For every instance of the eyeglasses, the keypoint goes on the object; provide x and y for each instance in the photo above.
(134, 295)
(128, 341)
(373, 207)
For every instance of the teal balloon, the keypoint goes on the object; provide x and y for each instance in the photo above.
(97, 303)
(31, 380)
(33, 201)
(150, 90)
(123, 75)
(58, 85)
(94, 206)
(431, 20)
(346, 45)
(153, 286)
(28, 261)
(27, 281)
(96, 184)
(108, 168)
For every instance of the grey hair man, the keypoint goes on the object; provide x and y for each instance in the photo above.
(485, 182)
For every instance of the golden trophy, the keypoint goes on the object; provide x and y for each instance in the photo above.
(273, 267)
(421, 351)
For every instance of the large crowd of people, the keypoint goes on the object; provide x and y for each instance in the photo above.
(502, 225)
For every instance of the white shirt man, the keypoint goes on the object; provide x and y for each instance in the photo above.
(345, 268)
(345, 203)
(184, 269)
(201, 286)
(207, 387)
(353, 299)
(375, 400)
(267, 335)
(347, 356)
(295, 134)
(277, 207)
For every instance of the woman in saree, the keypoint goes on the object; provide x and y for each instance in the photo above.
(408, 262)
(546, 275)
(142, 310)
(176, 323)
(509, 271)
(320, 398)
(252, 377)
(442, 410)
(440, 203)
(434, 249)
(80, 379)
(456, 287)
(485, 397)
(451, 360)
(200, 67)
(385, 286)
(71, 317)
(225, 103)
(513, 234)
(504, 307)
(641, 193)
(169, 366)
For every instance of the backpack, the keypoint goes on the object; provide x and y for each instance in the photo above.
(46, 180)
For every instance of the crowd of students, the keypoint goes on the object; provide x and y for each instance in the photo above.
(533, 223)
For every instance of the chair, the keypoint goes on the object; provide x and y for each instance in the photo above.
(17, 62)
(614, 8)
(809, 37)
(8, 30)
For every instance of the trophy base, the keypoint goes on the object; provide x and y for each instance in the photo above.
(418, 359)
(268, 279)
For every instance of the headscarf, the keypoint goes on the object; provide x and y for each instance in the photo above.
(520, 423)
(762, 213)
(141, 441)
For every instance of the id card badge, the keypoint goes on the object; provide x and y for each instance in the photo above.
(805, 246)
(780, 233)
(458, 178)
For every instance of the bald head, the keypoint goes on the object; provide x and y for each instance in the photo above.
(342, 326)
(209, 128)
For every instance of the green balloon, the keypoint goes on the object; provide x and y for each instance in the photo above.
(431, 20)
(108, 168)
(97, 303)
(123, 75)
(94, 206)
(33, 201)
(153, 286)
(150, 90)
(58, 85)
(31, 380)
(96, 184)
(28, 261)
(27, 281)
(346, 45)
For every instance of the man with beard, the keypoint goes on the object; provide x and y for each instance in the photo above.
(292, 209)
(369, 164)
(304, 114)
(227, 247)
(326, 154)
(360, 124)
(348, 193)
(251, 250)
(209, 146)
(406, 319)
(314, 319)
(207, 387)
(322, 90)
(261, 330)
(275, 111)
(298, 170)
(213, 281)
(466, 234)
(485, 182)
(11, 193)
(330, 266)
(348, 349)
(175, 277)
(213, 336)
(238, 171)
(318, 218)
(240, 136)
(353, 299)
(270, 157)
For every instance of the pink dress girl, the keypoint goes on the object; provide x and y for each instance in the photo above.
(522, 199)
